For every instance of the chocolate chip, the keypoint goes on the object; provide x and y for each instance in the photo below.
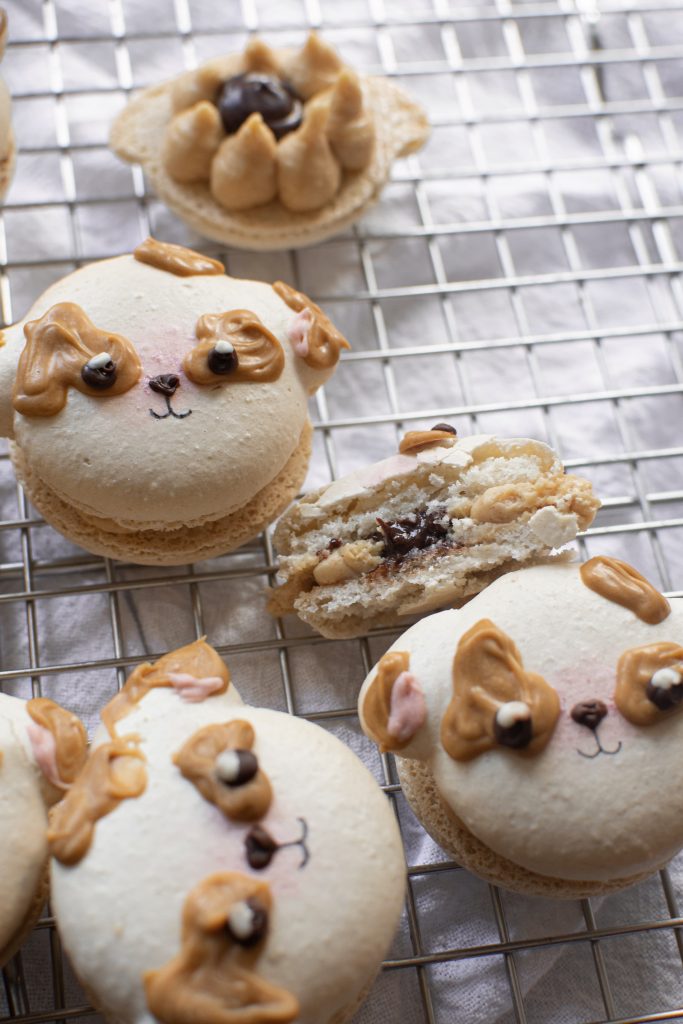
(665, 697)
(416, 532)
(247, 922)
(446, 427)
(222, 362)
(516, 736)
(98, 373)
(256, 93)
(589, 713)
(236, 767)
(260, 847)
(165, 384)
(334, 544)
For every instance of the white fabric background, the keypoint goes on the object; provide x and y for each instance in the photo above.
(444, 187)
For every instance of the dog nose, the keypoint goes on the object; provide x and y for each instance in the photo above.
(165, 383)
(589, 713)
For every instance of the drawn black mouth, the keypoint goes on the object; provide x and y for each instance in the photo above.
(261, 847)
(170, 411)
(600, 750)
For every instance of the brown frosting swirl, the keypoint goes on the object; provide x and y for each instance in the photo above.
(260, 356)
(213, 977)
(176, 259)
(113, 772)
(635, 669)
(619, 582)
(416, 440)
(197, 659)
(487, 673)
(377, 702)
(196, 760)
(58, 346)
(324, 340)
(71, 739)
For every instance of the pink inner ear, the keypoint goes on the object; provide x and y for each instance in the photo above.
(44, 750)
(297, 331)
(407, 712)
(193, 689)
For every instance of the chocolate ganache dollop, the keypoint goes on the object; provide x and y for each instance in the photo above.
(257, 93)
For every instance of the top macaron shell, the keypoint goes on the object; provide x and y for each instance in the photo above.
(109, 456)
(561, 813)
(119, 909)
(23, 820)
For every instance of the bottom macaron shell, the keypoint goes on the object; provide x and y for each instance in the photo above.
(27, 925)
(170, 547)
(446, 829)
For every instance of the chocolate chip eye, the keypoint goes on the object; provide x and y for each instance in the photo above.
(222, 358)
(247, 922)
(665, 688)
(512, 725)
(236, 767)
(260, 847)
(99, 372)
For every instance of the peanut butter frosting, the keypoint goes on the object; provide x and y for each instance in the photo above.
(67, 748)
(176, 259)
(619, 582)
(113, 772)
(213, 978)
(184, 669)
(635, 671)
(198, 761)
(488, 673)
(377, 704)
(58, 347)
(416, 440)
(323, 342)
(260, 357)
(249, 167)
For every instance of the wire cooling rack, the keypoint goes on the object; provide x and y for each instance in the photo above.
(521, 275)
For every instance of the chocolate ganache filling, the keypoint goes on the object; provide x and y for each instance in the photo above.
(421, 530)
(256, 93)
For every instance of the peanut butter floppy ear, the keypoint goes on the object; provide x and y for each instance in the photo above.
(649, 682)
(496, 701)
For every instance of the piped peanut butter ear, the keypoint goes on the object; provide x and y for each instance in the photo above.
(213, 977)
(314, 337)
(59, 741)
(393, 708)
(190, 142)
(308, 175)
(244, 170)
(314, 67)
(496, 701)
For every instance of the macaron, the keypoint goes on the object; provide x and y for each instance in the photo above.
(42, 748)
(428, 526)
(158, 407)
(538, 729)
(216, 861)
(8, 149)
(270, 148)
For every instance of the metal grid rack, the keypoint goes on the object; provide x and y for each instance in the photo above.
(527, 264)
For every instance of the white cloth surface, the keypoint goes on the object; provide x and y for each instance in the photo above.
(492, 375)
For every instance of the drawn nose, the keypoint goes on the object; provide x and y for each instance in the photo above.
(589, 713)
(165, 383)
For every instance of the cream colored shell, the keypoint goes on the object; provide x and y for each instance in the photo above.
(23, 822)
(341, 155)
(7, 146)
(108, 457)
(561, 814)
(119, 909)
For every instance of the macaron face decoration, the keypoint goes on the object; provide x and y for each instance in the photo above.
(538, 729)
(239, 850)
(158, 407)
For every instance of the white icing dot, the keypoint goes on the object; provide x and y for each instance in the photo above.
(228, 765)
(223, 347)
(665, 678)
(514, 711)
(101, 359)
(241, 920)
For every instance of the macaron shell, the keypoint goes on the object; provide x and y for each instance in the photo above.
(563, 813)
(119, 909)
